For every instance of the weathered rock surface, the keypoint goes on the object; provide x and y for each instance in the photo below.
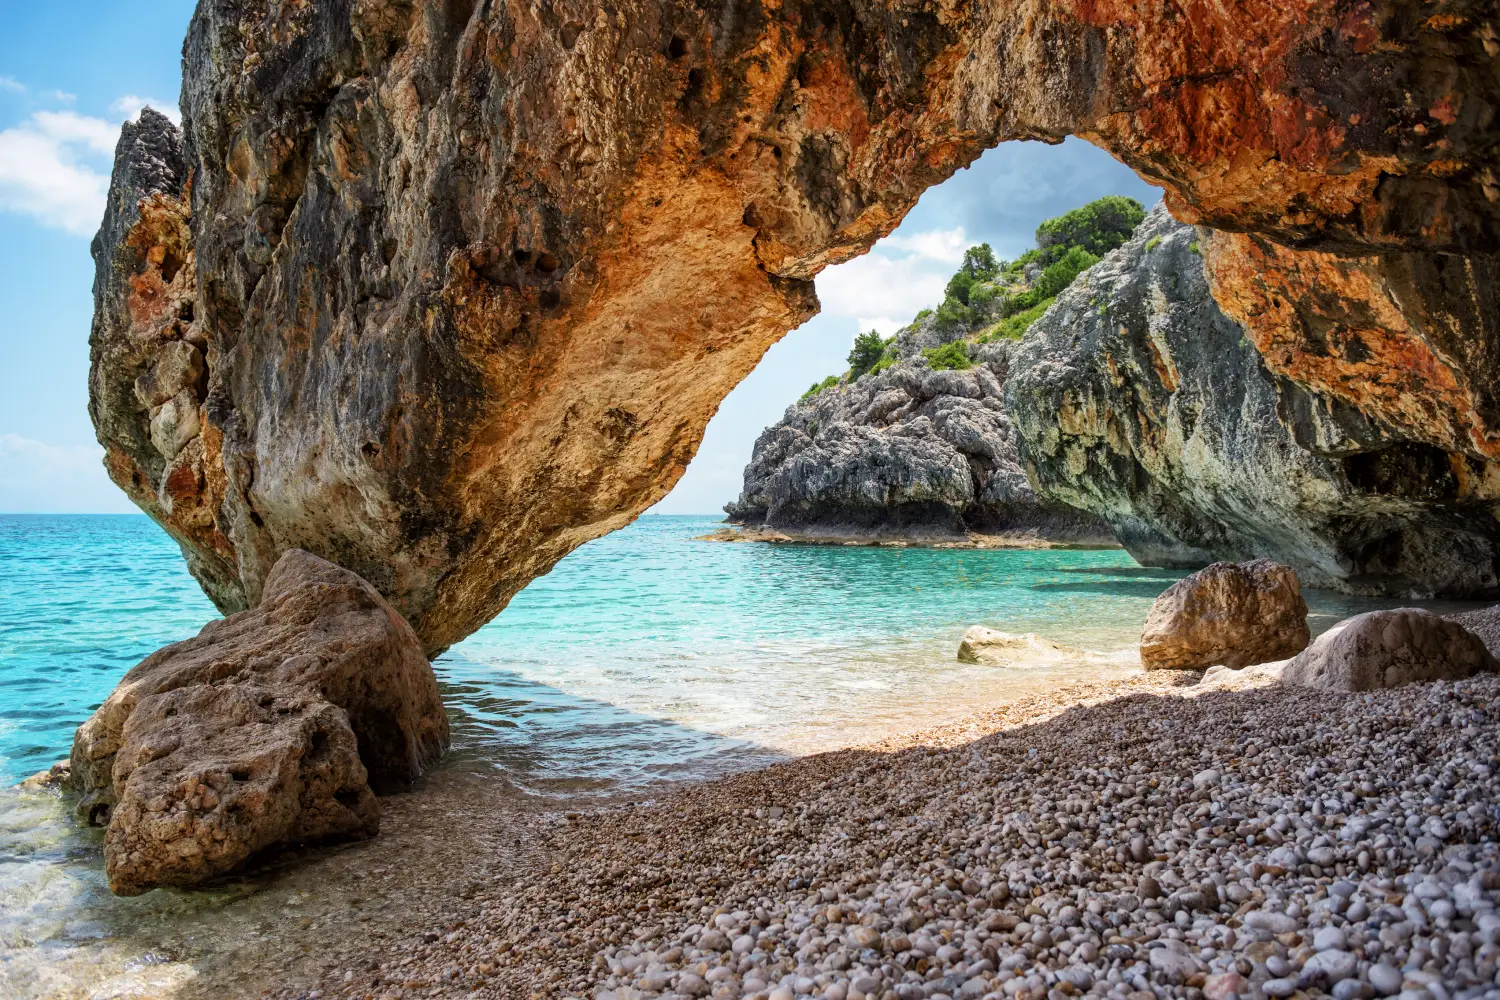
(272, 727)
(1137, 398)
(1006, 649)
(1483, 622)
(468, 280)
(1227, 614)
(1385, 649)
(908, 453)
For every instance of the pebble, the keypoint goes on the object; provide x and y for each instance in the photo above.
(1129, 849)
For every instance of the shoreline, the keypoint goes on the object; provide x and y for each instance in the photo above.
(736, 534)
(1129, 839)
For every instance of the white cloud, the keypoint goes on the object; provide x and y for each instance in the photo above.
(44, 173)
(13, 85)
(62, 96)
(946, 245)
(41, 477)
(882, 291)
(129, 107)
(54, 166)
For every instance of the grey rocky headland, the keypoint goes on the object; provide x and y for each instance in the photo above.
(909, 453)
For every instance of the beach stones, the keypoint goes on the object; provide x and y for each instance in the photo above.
(1234, 614)
(1387, 648)
(271, 728)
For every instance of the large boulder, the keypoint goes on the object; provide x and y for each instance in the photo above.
(1226, 614)
(908, 453)
(1138, 398)
(1483, 622)
(272, 727)
(1384, 649)
(468, 280)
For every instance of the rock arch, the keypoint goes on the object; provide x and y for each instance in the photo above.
(441, 289)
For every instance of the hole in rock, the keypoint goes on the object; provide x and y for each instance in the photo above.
(678, 47)
(546, 263)
(551, 299)
(370, 449)
(521, 257)
(185, 311)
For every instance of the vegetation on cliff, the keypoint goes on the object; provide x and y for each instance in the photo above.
(989, 299)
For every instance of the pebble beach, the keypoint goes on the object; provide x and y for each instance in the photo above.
(1138, 838)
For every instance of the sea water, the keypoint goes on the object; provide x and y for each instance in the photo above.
(648, 654)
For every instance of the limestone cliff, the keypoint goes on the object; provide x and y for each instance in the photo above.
(440, 290)
(1138, 398)
(909, 453)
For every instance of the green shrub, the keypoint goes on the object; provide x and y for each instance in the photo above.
(922, 315)
(1097, 227)
(1014, 327)
(827, 383)
(1153, 243)
(869, 348)
(953, 314)
(982, 293)
(952, 356)
(1193, 246)
(885, 362)
(1061, 274)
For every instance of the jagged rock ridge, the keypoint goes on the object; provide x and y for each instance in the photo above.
(909, 453)
(445, 263)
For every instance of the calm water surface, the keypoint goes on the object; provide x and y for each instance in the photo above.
(644, 655)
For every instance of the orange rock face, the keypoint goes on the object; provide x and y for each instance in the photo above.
(469, 280)
(1406, 341)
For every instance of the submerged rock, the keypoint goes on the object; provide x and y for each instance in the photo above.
(1226, 615)
(1385, 649)
(1137, 398)
(469, 280)
(271, 728)
(1005, 649)
(909, 453)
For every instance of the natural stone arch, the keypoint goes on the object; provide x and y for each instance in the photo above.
(442, 289)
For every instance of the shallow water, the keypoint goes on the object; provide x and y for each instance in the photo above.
(645, 655)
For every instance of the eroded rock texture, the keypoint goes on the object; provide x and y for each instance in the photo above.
(1137, 398)
(909, 453)
(467, 280)
(1227, 614)
(271, 728)
(1385, 649)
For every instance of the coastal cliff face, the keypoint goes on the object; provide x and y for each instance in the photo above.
(440, 290)
(1138, 398)
(908, 453)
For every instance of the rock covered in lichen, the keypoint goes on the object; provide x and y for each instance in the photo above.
(1137, 398)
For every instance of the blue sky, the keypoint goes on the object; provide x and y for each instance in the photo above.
(70, 73)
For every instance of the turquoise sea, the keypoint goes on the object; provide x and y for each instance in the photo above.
(645, 655)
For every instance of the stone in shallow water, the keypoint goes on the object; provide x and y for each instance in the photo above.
(1232, 614)
(267, 730)
(1388, 648)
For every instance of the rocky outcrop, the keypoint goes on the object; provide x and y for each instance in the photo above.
(1384, 649)
(909, 453)
(468, 280)
(1137, 398)
(271, 728)
(1226, 615)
